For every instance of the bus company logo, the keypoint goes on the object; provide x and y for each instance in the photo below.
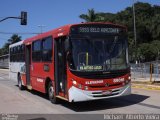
(118, 80)
(94, 82)
(39, 80)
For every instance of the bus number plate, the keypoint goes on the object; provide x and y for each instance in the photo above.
(107, 92)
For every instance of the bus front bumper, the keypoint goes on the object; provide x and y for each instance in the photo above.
(76, 95)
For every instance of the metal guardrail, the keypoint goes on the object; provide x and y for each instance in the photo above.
(4, 61)
(142, 71)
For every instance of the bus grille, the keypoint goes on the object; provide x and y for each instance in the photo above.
(101, 93)
(112, 85)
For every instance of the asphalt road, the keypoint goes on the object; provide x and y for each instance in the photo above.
(14, 101)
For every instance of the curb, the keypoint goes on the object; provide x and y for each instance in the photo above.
(4, 69)
(146, 86)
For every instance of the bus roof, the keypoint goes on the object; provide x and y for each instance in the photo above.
(16, 44)
(63, 31)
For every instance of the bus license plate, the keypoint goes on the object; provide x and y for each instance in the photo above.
(107, 92)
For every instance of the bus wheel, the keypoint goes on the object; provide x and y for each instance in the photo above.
(21, 87)
(51, 93)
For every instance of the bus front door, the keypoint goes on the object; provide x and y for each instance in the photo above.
(28, 65)
(60, 66)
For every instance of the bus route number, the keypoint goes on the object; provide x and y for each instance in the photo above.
(84, 29)
(88, 29)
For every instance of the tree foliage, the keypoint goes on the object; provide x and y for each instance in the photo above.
(5, 49)
(147, 26)
(90, 17)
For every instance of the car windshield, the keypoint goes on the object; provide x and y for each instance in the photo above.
(98, 54)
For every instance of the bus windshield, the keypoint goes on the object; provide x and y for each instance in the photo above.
(98, 54)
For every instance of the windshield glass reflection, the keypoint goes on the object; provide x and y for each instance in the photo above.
(90, 54)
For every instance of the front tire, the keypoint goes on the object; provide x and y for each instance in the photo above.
(21, 87)
(51, 93)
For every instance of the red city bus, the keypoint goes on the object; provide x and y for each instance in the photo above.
(78, 62)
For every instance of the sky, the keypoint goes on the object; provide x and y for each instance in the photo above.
(52, 14)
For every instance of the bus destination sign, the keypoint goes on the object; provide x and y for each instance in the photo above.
(96, 29)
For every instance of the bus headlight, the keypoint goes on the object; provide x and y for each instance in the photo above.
(129, 78)
(74, 82)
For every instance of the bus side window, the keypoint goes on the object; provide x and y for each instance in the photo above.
(11, 55)
(36, 51)
(47, 47)
(14, 54)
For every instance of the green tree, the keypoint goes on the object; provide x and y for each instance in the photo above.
(5, 49)
(91, 16)
(14, 38)
(147, 25)
(146, 51)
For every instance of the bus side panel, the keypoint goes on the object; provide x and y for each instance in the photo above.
(39, 74)
(15, 69)
(38, 84)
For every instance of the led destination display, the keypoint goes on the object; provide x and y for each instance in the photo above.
(96, 29)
